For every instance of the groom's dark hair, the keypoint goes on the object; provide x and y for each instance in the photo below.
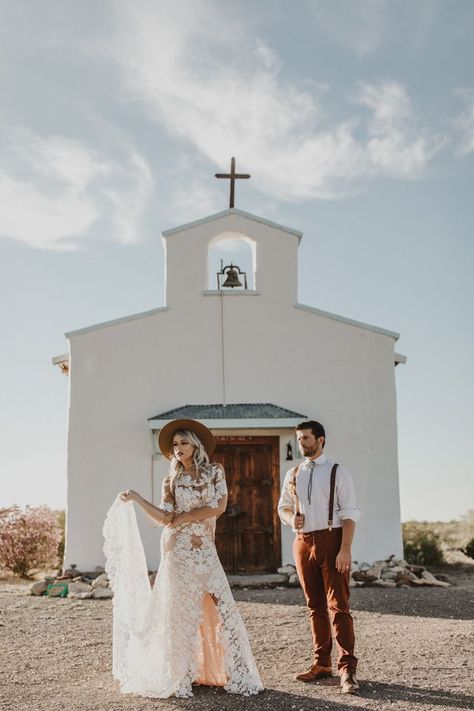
(316, 428)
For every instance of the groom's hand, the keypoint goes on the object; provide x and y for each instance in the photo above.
(298, 521)
(344, 560)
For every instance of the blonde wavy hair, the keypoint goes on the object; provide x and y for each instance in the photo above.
(200, 457)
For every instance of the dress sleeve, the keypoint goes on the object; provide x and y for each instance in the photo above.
(167, 498)
(220, 487)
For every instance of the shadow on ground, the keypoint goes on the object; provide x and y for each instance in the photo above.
(417, 695)
(317, 697)
(442, 603)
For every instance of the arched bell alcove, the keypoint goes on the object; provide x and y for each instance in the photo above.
(232, 248)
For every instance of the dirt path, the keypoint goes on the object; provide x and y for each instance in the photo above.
(414, 646)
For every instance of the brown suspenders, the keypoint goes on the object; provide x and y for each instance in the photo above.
(331, 496)
(331, 492)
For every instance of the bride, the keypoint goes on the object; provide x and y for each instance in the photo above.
(187, 630)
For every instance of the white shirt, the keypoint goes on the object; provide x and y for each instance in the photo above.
(316, 509)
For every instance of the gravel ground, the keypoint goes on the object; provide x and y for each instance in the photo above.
(414, 648)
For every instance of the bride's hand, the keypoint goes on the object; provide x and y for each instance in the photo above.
(178, 518)
(129, 495)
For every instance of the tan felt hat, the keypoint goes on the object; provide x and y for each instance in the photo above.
(165, 438)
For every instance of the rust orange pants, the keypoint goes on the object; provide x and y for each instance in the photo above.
(327, 595)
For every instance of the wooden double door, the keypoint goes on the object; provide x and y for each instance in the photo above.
(248, 533)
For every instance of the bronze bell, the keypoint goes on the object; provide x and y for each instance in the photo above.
(232, 279)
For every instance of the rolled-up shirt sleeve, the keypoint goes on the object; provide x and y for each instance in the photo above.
(346, 504)
(286, 504)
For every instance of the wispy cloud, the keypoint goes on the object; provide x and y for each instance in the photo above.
(221, 89)
(359, 26)
(464, 123)
(54, 189)
(396, 144)
(364, 27)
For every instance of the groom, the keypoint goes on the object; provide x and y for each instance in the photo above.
(318, 502)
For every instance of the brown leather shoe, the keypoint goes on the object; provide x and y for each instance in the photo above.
(315, 672)
(349, 683)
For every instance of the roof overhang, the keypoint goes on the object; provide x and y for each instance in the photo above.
(234, 416)
(250, 423)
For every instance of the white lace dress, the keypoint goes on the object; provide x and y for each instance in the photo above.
(187, 629)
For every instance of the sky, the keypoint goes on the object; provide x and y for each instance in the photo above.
(355, 119)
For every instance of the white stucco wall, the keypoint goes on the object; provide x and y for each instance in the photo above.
(124, 373)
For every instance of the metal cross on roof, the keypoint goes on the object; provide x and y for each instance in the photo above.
(232, 176)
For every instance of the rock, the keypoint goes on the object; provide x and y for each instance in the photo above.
(88, 577)
(91, 575)
(405, 577)
(419, 581)
(388, 574)
(430, 578)
(402, 563)
(364, 566)
(287, 570)
(417, 569)
(102, 593)
(73, 572)
(79, 586)
(38, 588)
(397, 569)
(294, 581)
(376, 570)
(402, 580)
(352, 583)
(363, 577)
(152, 578)
(101, 581)
(442, 577)
(80, 595)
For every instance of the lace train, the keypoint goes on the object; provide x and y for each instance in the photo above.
(187, 629)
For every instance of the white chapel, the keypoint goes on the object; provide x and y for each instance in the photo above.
(225, 349)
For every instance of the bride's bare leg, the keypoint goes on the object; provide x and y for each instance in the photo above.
(212, 668)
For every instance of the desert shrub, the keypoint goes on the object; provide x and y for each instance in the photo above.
(28, 539)
(422, 546)
(469, 549)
